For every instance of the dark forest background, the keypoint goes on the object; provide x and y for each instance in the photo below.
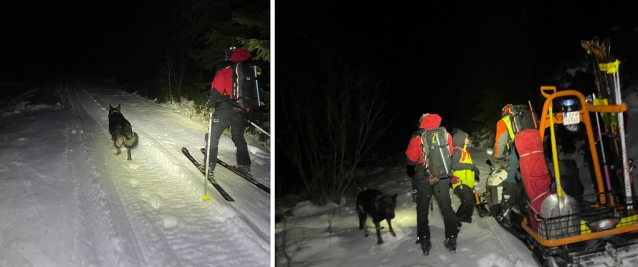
(165, 50)
(463, 62)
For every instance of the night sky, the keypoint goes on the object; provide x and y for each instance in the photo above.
(432, 55)
(44, 37)
(438, 57)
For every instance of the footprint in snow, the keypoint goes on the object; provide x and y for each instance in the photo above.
(155, 202)
(169, 221)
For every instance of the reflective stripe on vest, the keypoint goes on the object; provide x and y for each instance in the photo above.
(508, 124)
(466, 176)
(465, 156)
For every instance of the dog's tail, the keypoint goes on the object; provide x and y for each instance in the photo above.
(130, 141)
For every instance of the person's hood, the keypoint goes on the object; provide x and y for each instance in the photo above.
(430, 121)
(459, 138)
(239, 55)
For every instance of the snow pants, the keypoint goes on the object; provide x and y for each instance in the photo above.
(237, 122)
(512, 167)
(424, 194)
(466, 209)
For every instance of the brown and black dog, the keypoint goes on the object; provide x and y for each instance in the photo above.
(121, 131)
(377, 205)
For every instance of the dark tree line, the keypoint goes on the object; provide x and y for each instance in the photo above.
(183, 41)
(503, 57)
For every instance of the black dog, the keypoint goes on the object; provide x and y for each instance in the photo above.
(377, 205)
(121, 131)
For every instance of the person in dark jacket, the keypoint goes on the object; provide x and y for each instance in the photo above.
(425, 191)
(465, 175)
(228, 112)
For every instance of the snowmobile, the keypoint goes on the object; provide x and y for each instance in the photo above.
(561, 225)
(504, 200)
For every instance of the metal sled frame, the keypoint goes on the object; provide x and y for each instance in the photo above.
(552, 245)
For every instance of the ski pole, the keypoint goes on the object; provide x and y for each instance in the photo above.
(257, 82)
(612, 68)
(531, 110)
(602, 148)
(258, 128)
(210, 124)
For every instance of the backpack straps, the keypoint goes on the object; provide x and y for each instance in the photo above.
(462, 153)
(424, 148)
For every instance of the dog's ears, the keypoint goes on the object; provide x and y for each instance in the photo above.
(118, 107)
(394, 197)
(111, 107)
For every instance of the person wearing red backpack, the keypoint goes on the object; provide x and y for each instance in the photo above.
(229, 111)
(427, 188)
(465, 174)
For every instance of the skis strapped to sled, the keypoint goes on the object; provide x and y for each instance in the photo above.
(242, 175)
(211, 179)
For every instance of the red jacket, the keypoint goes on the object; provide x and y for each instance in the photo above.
(223, 93)
(414, 153)
(223, 80)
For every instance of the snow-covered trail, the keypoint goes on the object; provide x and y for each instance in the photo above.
(324, 237)
(144, 212)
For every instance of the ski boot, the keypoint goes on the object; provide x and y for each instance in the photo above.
(426, 245)
(450, 243)
(243, 169)
(211, 168)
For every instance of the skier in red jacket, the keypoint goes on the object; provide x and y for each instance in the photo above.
(425, 190)
(228, 112)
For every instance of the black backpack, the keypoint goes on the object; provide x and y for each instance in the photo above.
(522, 118)
(436, 154)
(238, 81)
(246, 84)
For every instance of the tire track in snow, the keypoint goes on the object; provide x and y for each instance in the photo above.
(170, 156)
(94, 190)
(84, 251)
(199, 221)
(177, 177)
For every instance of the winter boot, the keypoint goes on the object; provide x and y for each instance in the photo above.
(243, 169)
(210, 164)
(450, 243)
(426, 245)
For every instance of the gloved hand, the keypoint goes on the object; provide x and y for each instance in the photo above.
(477, 178)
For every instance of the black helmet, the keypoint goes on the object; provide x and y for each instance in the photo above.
(228, 52)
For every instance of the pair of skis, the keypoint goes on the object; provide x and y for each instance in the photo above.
(210, 177)
(212, 180)
(607, 83)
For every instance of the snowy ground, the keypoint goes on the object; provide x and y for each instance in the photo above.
(330, 235)
(66, 199)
